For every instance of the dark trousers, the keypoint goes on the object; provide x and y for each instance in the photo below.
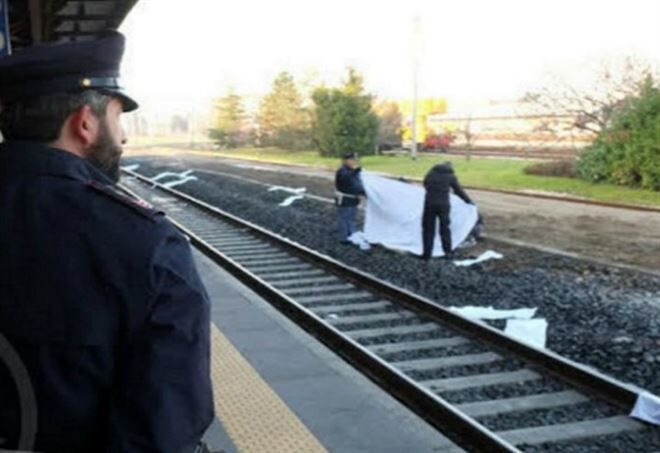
(346, 221)
(431, 213)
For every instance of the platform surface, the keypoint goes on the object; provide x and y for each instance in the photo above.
(277, 389)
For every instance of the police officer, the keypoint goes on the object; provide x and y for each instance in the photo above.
(439, 182)
(348, 188)
(99, 296)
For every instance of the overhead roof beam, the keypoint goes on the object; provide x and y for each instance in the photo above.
(36, 20)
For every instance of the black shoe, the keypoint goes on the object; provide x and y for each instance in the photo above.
(424, 258)
(449, 256)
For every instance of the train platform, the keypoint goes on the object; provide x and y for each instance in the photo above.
(277, 389)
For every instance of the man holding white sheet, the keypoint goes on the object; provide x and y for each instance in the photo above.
(439, 182)
(348, 189)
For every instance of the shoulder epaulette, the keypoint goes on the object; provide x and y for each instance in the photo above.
(138, 205)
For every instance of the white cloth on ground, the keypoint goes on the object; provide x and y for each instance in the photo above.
(178, 182)
(519, 322)
(394, 210)
(530, 331)
(291, 199)
(167, 174)
(647, 408)
(294, 190)
(487, 255)
(472, 312)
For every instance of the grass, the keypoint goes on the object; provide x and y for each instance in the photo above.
(494, 173)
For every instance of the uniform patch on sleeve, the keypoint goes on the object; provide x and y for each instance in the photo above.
(137, 204)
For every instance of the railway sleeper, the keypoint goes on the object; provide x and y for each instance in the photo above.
(448, 362)
(570, 431)
(481, 380)
(339, 321)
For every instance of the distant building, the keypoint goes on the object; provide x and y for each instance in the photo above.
(506, 124)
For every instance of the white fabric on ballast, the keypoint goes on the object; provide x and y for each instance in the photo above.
(472, 312)
(487, 255)
(531, 331)
(647, 408)
(393, 215)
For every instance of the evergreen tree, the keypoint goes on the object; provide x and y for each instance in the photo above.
(344, 120)
(283, 121)
(229, 125)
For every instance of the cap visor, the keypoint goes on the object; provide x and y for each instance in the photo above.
(127, 102)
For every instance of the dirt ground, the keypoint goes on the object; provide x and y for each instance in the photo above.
(613, 235)
(609, 234)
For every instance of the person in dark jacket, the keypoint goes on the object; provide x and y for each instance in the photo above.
(439, 182)
(348, 189)
(104, 321)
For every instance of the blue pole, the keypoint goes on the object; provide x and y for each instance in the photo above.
(5, 33)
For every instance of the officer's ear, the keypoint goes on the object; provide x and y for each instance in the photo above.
(84, 126)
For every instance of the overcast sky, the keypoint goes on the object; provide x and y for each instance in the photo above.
(182, 52)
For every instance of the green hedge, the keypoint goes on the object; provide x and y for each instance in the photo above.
(628, 152)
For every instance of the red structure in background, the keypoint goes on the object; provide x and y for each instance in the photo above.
(438, 142)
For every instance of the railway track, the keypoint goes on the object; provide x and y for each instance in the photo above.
(483, 389)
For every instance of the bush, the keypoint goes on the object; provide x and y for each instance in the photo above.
(232, 138)
(593, 164)
(344, 121)
(628, 152)
(565, 168)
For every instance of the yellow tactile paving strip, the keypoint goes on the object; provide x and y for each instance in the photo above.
(255, 418)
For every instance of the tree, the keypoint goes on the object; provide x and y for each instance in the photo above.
(344, 120)
(390, 123)
(283, 121)
(591, 107)
(627, 151)
(229, 127)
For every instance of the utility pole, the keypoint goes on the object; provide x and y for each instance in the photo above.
(191, 127)
(415, 68)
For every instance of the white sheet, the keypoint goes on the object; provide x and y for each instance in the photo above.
(531, 331)
(487, 255)
(178, 182)
(394, 215)
(291, 199)
(473, 312)
(647, 408)
(294, 190)
(168, 174)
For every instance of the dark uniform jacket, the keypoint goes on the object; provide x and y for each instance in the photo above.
(439, 181)
(100, 299)
(348, 182)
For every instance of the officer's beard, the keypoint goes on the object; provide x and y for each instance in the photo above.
(105, 153)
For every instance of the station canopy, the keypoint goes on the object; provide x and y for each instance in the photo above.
(34, 21)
